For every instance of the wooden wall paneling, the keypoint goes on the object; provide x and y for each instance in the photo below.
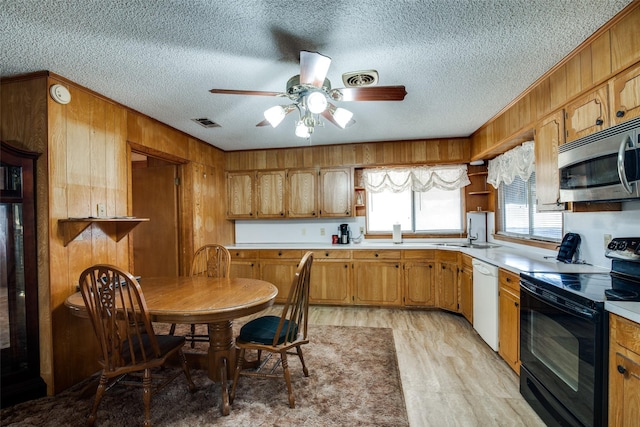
(542, 96)
(558, 87)
(625, 41)
(573, 74)
(600, 50)
(188, 204)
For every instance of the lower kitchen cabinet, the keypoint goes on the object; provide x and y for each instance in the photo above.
(624, 372)
(330, 277)
(244, 263)
(279, 267)
(377, 278)
(419, 278)
(465, 287)
(509, 318)
(447, 280)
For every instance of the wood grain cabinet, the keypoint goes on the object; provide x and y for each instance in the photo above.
(377, 278)
(419, 278)
(465, 287)
(625, 95)
(509, 318)
(331, 277)
(279, 267)
(447, 280)
(302, 193)
(587, 114)
(336, 192)
(549, 136)
(270, 197)
(624, 372)
(244, 263)
(241, 194)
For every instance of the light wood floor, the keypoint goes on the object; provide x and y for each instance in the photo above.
(450, 377)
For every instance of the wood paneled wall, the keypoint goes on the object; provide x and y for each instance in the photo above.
(86, 160)
(615, 47)
(425, 151)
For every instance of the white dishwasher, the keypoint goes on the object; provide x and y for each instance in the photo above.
(485, 302)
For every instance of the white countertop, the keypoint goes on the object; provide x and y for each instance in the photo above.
(510, 258)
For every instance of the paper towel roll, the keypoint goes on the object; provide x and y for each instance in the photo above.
(397, 233)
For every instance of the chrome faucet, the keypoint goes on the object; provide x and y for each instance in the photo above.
(471, 238)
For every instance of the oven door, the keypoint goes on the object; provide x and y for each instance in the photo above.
(562, 346)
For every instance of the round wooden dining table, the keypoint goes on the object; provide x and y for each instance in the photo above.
(214, 301)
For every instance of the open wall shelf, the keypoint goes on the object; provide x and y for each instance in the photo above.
(115, 227)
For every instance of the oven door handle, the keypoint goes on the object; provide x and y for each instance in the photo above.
(585, 313)
(622, 174)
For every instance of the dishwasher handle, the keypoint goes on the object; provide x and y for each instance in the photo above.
(483, 268)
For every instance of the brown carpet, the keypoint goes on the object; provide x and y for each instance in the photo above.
(353, 380)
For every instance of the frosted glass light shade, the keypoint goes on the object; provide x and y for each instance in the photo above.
(275, 115)
(342, 117)
(302, 130)
(316, 102)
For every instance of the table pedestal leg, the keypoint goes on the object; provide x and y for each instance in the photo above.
(222, 357)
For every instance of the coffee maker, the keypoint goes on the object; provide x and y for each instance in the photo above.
(344, 234)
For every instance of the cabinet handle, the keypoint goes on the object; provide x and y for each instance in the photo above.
(599, 122)
(376, 254)
(622, 369)
(326, 254)
(430, 266)
(279, 253)
(509, 279)
(313, 213)
(619, 113)
(517, 304)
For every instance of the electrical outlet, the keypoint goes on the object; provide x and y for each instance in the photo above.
(322, 231)
(361, 230)
(607, 240)
(101, 210)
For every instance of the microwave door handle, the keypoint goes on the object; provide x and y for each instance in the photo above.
(621, 172)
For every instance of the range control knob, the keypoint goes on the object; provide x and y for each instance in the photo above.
(622, 245)
(612, 245)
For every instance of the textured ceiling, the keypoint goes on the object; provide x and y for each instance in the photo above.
(461, 61)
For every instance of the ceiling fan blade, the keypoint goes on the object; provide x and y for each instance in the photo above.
(375, 93)
(246, 92)
(313, 68)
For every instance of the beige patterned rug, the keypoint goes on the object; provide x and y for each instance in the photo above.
(353, 380)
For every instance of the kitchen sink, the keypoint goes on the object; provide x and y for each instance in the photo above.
(466, 245)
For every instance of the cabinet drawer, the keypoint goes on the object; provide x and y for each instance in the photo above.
(381, 254)
(626, 333)
(244, 254)
(281, 254)
(320, 254)
(466, 261)
(509, 279)
(447, 256)
(425, 254)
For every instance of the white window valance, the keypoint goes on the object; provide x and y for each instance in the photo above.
(519, 161)
(420, 179)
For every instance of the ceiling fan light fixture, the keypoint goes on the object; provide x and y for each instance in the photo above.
(275, 115)
(316, 102)
(342, 117)
(302, 130)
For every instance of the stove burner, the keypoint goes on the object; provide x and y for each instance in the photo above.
(621, 295)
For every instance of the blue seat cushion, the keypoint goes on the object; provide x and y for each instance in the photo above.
(263, 329)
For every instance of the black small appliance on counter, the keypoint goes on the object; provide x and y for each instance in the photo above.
(564, 333)
(344, 234)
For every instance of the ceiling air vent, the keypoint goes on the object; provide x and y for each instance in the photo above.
(207, 123)
(360, 78)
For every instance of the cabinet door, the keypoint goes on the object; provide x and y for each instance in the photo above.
(465, 280)
(270, 194)
(280, 273)
(625, 96)
(509, 327)
(303, 193)
(330, 283)
(377, 283)
(240, 194)
(419, 284)
(587, 114)
(246, 268)
(336, 188)
(448, 285)
(549, 135)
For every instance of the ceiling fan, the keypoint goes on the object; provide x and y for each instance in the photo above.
(311, 95)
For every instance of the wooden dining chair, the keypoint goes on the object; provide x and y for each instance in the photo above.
(211, 260)
(275, 334)
(129, 347)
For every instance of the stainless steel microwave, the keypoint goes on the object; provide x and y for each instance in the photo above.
(604, 166)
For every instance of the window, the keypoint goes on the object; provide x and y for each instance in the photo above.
(517, 214)
(435, 211)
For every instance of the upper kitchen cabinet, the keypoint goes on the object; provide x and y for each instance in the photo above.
(625, 95)
(302, 194)
(336, 189)
(240, 195)
(548, 136)
(587, 114)
(270, 197)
